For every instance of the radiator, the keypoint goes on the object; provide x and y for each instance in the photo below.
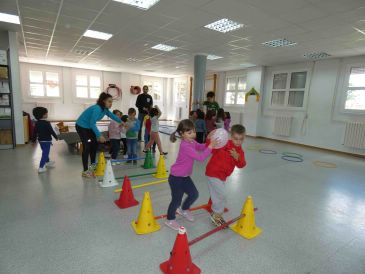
(282, 125)
(355, 135)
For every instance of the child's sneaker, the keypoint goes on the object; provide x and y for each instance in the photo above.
(172, 224)
(50, 164)
(42, 169)
(186, 214)
(217, 219)
(87, 174)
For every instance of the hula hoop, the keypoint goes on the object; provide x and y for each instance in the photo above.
(293, 159)
(254, 147)
(292, 154)
(267, 151)
(324, 164)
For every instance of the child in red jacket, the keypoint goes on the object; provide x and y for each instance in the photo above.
(220, 166)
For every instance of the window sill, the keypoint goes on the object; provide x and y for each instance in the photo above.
(302, 109)
(352, 112)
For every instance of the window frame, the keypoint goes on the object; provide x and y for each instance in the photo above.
(44, 71)
(288, 89)
(236, 90)
(344, 87)
(88, 74)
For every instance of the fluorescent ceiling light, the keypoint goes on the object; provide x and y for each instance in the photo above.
(141, 4)
(9, 18)
(279, 43)
(97, 34)
(164, 47)
(316, 55)
(224, 25)
(213, 57)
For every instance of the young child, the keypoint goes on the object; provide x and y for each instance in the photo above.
(43, 131)
(155, 114)
(201, 129)
(133, 125)
(220, 118)
(227, 121)
(193, 116)
(179, 179)
(210, 121)
(115, 130)
(123, 136)
(210, 103)
(147, 132)
(220, 166)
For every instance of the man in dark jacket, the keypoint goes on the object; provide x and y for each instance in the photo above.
(144, 103)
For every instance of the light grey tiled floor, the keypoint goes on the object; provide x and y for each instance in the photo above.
(313, 219)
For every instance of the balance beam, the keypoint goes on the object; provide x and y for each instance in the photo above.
(138, 175)
(143, 185)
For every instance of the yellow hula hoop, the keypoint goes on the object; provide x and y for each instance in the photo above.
(324, 164)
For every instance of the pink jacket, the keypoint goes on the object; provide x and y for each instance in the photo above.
(114, 130)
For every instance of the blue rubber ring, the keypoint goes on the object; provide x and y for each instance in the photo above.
(267, 151)
(293, 159)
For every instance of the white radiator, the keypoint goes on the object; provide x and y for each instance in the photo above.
(282, 125)
(355, 135)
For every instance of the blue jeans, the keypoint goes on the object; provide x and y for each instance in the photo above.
(132, 148)
(45, 147)
(115, 147)
(179, 186)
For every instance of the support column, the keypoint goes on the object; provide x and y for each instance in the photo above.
(200, 63)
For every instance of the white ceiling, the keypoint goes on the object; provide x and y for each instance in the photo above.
(56, 27)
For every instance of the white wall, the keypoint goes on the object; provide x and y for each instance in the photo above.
(325, 129)
(68, 107)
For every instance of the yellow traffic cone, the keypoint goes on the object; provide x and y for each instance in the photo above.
(100, 168)
(246, 226)
(146, 222)
(161, 168)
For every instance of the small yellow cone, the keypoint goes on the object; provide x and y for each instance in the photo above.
(246, 226)
(146, 222)
(100, 168)
(161, 168)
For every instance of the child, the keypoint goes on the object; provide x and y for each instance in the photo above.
(220, 166)
(193, 116)
(123, 136)
(210, 121)
(220, 118)
(201, 129)
(133, 125)
(227, 120)
(155, 114)
(210, 103)
(115, 130)
(147, 132)
(179, 179)
(43, 131)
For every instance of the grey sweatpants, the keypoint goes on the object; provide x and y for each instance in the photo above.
(217, 194)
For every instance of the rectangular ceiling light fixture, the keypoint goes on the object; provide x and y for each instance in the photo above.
(164, 47)
(224, 25)
(97, 34)
(316, 55)
(9, 18)
(213, 57)
(279, 43)
(141, 4)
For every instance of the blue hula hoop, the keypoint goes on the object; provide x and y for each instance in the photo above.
(267, 151)
(293, 159)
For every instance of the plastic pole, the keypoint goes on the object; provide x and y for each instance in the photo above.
(143, 185)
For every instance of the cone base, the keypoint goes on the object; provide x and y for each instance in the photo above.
(165, 268)
(246, 234)
(109, 184)
(122, 205)
(160, 176)
(148, 167)
(151, 229)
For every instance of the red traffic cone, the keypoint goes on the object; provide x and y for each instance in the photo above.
(126, 198)
(180, 259)
(209, 206)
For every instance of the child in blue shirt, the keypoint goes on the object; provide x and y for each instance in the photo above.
(133, 125)
(200, 127)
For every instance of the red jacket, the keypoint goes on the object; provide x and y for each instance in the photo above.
(222, 164)
(148, 125)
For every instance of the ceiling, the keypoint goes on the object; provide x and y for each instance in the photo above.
(51, 31)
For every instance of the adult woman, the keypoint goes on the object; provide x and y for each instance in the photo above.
(90, 134)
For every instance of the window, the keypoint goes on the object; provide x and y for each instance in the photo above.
(44, 84)
(355, 90)
(236, 87)
(88, 86)
(180, 91)
(155, 89)
(288, 89)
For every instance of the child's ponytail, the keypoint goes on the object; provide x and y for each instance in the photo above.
(173, 137)
(184, 125)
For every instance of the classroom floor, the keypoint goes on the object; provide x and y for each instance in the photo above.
(313, 218)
